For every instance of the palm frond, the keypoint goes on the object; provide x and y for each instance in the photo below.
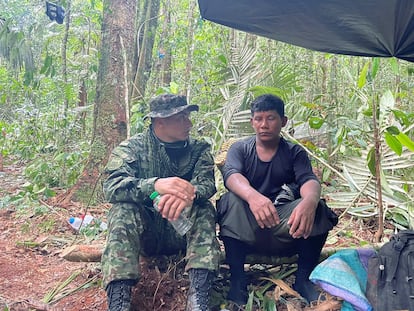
(242, 71)
(360, 200)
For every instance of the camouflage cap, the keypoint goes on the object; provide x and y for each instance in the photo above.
(166, 105)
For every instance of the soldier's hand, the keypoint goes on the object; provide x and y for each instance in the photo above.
(171, 206)
(176, 186)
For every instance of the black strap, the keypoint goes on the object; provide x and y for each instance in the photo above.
(399, 242)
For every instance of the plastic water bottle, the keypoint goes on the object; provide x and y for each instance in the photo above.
(182, 224)
(89, 219)
(77, 223)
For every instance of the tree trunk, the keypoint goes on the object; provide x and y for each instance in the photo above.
(82, 102)
(113, 85)
(146, 34)
(378, 235)
(190, 50)
(165, 59)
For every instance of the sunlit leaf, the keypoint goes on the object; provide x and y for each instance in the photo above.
(249, 304)
(310, 105)
(269, 304)
(401, 117)
(393, 143)
(223, 59)
(399, 218)
(387, 103)
(340, 135)
(394, 65)
(367, 112)
(362, 80)
(371, 160)
(406, 141)
(49, 193)
(406, 187)
(316, 122)
(174, 88)
(375, 66)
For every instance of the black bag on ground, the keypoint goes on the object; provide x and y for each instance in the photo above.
(390, 284)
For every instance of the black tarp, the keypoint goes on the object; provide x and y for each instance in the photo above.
(381, 28)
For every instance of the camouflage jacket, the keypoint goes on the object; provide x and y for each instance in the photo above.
(138, 162)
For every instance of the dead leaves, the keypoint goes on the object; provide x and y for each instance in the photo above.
(282, 291)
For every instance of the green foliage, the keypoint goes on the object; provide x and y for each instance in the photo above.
(26, 204)
(15, 48)
(405, 141)
(371, 161)
(400, 217)
(260, 295)
(316, 122)
(333, 95)
(92, 231)
(47, 225)
(57, 169)
(393, 142)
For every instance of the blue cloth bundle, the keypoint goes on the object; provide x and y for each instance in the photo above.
(344, 274)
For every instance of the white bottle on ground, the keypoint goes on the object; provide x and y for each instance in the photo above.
(76, 222)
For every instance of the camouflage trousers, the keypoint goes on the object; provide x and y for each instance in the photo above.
(135, 230)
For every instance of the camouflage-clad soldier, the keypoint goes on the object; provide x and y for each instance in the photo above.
(163, 159)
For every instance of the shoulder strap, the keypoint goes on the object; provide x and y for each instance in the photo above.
(399, 242)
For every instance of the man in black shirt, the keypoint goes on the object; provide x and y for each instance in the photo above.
(273, 205)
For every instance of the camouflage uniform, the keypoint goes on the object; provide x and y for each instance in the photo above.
(135, 228)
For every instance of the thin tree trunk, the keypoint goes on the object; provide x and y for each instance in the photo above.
(190, 51)
(82, 101)
(163, 63)
(145, 47)
(377, 141)
(64, 58)
(65, 83)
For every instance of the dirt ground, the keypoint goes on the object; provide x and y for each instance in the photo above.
(34, 276)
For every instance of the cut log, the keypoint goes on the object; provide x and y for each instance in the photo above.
(92, 253)
(83, 253)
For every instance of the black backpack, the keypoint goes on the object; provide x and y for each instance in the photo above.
(390, 284)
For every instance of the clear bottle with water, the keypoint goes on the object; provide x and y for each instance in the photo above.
(182, 224)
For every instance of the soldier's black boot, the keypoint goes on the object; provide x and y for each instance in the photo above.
(309, 251)
(119, 295)
(199, 291)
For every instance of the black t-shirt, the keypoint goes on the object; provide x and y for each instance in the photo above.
(290, 164)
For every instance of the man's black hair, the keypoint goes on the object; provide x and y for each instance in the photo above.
(268, 102)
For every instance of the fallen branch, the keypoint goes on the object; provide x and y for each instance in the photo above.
(83, 253)
(93, 253)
